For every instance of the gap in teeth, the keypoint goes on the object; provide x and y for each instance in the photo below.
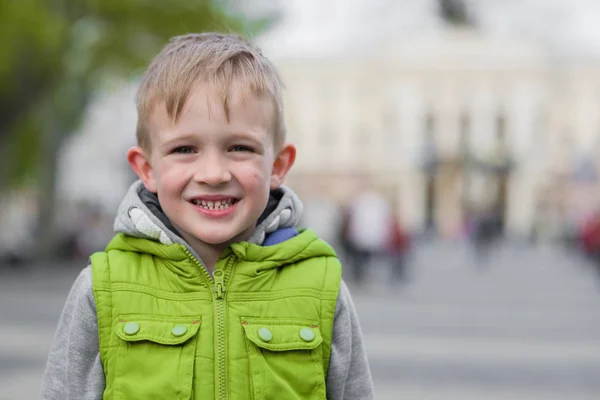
(214, 205)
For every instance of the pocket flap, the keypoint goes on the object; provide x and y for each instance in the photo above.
(282, 334)
(155, 328)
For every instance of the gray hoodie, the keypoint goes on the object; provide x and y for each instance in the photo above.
(74, 370)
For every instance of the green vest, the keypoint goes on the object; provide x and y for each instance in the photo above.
(260, 329)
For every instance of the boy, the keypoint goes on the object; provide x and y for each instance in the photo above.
(208, 291)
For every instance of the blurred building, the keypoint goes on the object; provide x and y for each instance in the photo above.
(445, 121)
(92, 167)
(448, 122)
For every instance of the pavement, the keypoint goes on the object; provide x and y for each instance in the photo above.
(521, 326)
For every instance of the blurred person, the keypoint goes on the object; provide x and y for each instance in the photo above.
(399, 248)
(208, 290)
(366, 231)
(17, 230)
(486, 232)
(92, 232)
(87, 231)
(589, 238)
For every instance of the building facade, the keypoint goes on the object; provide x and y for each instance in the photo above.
(448, 125)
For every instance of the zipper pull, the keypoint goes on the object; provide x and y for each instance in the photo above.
(219, 284)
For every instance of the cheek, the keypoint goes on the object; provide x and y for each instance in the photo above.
(171, 176)
(263, 180)
(252, 170)
(254, 178)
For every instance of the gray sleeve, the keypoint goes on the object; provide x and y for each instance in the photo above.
(74, 370)
(349, 375)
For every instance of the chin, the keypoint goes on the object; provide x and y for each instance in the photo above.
(216, 239)
(217, 242)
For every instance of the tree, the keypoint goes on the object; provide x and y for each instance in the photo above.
(56, 53)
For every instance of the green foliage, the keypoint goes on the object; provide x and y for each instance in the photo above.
(20, 154)
(56, 52)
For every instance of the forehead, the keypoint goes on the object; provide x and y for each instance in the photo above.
(207, 107)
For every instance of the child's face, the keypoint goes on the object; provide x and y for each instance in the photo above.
(213, 177)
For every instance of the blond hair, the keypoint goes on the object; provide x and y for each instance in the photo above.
(223, 61)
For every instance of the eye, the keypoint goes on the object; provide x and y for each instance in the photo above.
(240, 147)
(183, 150)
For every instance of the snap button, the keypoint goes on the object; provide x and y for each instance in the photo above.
(307, 334)
(265, 334)
(179, 330)
(131, 328)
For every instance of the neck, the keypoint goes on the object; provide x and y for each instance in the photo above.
(209, 257)
(210, 253)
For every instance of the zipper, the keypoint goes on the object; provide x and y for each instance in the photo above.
(218, 284)
(221, 276)
(207, 278)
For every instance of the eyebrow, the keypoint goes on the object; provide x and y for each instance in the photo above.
(178, 138)
(230, 136)
(244, 136)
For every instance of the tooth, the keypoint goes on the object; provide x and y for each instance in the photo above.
(218, 203)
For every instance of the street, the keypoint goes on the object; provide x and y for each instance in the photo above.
(524, 326)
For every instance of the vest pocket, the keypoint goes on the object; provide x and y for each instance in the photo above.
(155, 356)
(286, 359)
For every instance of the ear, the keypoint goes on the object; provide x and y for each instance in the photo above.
(140, 163)
(282, 164)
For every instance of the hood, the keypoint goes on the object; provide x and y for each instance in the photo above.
(140, 216)
(301, 247)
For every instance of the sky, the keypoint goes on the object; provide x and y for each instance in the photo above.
(568, 27)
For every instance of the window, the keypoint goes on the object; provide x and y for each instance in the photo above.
(391, 133)
(464, 126)
(430, 126)
(500, 128)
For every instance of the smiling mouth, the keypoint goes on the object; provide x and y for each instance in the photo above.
(214, 205)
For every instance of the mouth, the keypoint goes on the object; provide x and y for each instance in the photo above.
(221, 204)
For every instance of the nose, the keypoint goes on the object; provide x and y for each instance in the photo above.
(212, 169)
